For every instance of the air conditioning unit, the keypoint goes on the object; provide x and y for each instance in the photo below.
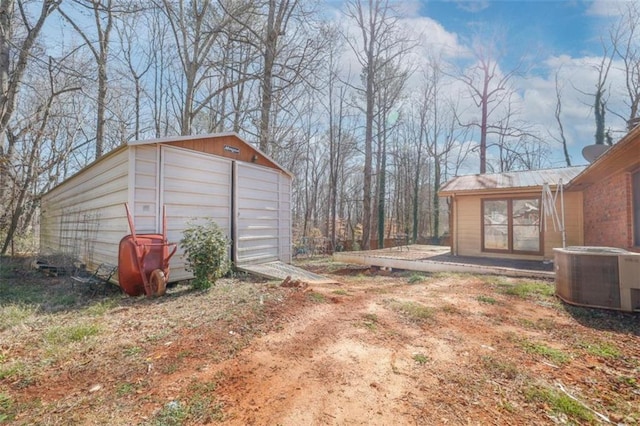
(601, 277)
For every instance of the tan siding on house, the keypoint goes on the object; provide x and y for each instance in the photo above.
(84, 217)
(573, 219)
(468, 226)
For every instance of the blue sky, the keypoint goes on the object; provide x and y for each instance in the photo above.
(551, 36)
(560, 27)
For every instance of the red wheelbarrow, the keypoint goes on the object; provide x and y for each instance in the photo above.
(143, 260)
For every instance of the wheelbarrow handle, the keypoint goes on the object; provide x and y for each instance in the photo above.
(130, 219)
(166, 261)
(175, 248)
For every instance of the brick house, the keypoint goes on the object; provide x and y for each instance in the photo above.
(610, 188)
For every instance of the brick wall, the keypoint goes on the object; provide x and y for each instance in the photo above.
(607, 212)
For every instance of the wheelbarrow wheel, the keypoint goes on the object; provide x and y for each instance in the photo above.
(158, 283)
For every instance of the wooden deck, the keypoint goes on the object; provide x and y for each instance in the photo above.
(425, 258)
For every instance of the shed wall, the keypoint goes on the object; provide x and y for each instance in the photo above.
(84, 217)
(468, 226)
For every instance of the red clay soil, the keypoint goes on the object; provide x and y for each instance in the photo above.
(377, 349)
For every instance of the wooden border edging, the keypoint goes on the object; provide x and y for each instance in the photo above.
(434, 266)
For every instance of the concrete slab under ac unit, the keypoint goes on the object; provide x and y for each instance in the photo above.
(281, 270)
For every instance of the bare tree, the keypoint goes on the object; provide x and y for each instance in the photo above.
(625, 39)
(390, 82)
(599, 97)
(18, 36)
(137, 60)
(379, 44)
(557, 114)
(102, 12)
(490, 89)
(38, 149)
(197, 27)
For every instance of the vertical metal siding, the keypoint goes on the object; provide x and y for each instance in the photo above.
(83, 217)
(146, 174)
(193, 185)
(284, 216)
(261, 198)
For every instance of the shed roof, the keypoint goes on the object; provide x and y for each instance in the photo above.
(517, 180)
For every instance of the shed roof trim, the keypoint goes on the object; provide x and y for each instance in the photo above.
(168, 139)
(184, 138)
(510, 180)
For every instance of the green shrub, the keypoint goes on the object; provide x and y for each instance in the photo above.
(206, 249)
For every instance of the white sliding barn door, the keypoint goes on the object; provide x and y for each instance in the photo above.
(193, 185)
(262, 215)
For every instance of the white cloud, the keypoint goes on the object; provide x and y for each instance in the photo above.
(434, 38)
(472, 6)
(606, 7)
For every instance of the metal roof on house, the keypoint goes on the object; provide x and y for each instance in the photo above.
(509, 180)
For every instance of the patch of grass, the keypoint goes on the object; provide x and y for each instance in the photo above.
(500, 368)
(370, 321)
(132, 351)
(602, 350)
(445, 275)
(508, 406)
(494, 280)
(12, 370)
(101, 308)
(203, 407)
(316, 297)
(421, 359)
(172, 413)
(7, 408)
(526, 289)
(486, 299)
(554, 355)
(61, 335)
(19, 293)
(63, 300)
(341, 292)
(14, 314)
(158, 336)
(632, 382)
(451, 309)
(124, 389)
(416, 278)
(171, 368)
(542, 324)
(559, 402)
(412, 310)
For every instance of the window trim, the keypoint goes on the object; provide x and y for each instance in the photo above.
(510, 249)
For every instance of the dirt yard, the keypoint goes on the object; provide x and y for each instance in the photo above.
(377, 348)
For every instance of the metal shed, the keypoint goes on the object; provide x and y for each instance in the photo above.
(218, 176)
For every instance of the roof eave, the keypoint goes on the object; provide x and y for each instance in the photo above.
(169, 139)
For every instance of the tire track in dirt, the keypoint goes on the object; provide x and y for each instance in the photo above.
(323, 367)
